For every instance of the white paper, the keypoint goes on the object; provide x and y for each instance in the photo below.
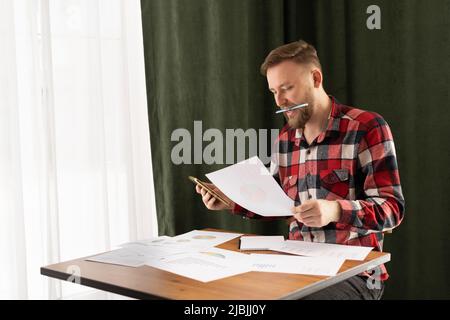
(167, 245)
(200, 239)
(133, 255)
(137, 253)
(318, 266)
(206, 265)
(316, 249)
(190, 241)
(260, 242)
(249, 184)
(156, 241)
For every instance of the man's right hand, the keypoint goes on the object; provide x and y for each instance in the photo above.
(211, 202)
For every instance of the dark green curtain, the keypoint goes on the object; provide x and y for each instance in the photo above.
(202, 64)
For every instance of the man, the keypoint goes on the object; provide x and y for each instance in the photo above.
(337, 162)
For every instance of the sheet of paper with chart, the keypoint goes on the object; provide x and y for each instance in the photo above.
(190, 241)
(135, 255)
(155, 241)
(204, 239)
(319, 266)
(249, 184)
(315, 249)
(206, 265)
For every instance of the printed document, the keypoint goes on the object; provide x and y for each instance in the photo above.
(316, 249)
(134, 255)
(137, 253)
(200, 239)
(249, 184)
(206, 265)
(318, 266)
(191, 241)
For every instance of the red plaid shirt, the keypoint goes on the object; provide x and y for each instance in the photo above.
(353, 162)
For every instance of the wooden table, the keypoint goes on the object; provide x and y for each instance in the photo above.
(150, 283)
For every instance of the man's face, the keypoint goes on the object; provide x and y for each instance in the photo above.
(291, 84)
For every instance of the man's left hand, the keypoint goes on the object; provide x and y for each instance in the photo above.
(317, 213)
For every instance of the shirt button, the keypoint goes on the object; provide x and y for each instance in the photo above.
(309, 196)
(308, 152)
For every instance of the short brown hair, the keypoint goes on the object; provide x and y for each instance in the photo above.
(299, 51)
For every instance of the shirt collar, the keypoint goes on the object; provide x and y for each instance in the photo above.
(334, 120)
(332, 125)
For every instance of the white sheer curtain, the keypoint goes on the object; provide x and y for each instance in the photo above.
(75, 162)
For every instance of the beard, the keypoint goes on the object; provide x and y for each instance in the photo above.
(302, 116)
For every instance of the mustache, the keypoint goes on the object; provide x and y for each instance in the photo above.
(300, 112)
(300, 119)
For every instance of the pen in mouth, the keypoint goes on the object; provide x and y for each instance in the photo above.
(292, 108)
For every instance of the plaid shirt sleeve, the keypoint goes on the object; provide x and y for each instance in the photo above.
(380, 207)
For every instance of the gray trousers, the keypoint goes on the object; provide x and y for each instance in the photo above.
(354, 288)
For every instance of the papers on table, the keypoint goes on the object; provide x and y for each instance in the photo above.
(137, 253)
(315, 249)
(191, 241)
(249, 184)
(204, 239)
(206, 265)
(260, 242)
(122, 257)
(297, 265)
(157, 241)
(133, 255)
(193, 255)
